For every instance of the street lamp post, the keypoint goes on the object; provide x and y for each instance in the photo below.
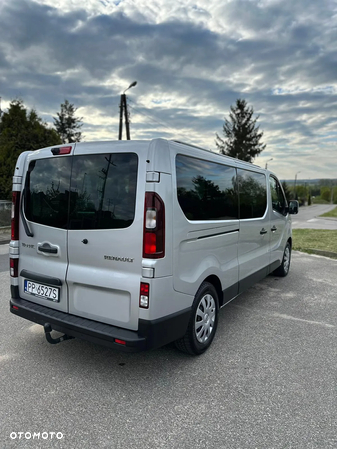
(295, 184)
(124, 107)
(266, 166)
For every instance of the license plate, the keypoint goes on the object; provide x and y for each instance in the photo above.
(42, 291)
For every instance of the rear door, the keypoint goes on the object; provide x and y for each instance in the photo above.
(105, 232)
(43, 231)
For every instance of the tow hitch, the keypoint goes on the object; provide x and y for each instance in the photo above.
(47, 330)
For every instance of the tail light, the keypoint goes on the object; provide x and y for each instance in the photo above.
(15, 216)
(13, 267)
(154, 227)
(144, 296)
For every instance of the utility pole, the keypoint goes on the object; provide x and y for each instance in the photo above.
(295, 193)
(126, 116)
(266, 166)
(123, 108)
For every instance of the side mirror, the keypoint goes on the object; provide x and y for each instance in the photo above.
(293, 207)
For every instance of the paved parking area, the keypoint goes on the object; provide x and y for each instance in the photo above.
(268, 381)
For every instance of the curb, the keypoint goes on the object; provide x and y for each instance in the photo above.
(326, 218)
(318, 252)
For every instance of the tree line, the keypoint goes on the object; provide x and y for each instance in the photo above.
(23, 130)
(323, 192)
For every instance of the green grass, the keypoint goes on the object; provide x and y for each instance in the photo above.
(315, 239)
(332, 213)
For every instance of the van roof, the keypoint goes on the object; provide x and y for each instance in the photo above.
(148, 141)
(213, 152)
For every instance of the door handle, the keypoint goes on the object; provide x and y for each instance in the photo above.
(274, 228)
(263, 231)
(46, 248)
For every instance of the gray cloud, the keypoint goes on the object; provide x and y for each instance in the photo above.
(280, 56)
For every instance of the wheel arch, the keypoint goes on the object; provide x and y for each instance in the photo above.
(215, 281)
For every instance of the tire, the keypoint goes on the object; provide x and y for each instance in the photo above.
(203, 321)
(283, 269)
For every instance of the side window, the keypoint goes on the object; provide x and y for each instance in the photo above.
(206, 190)
(277, 196)
(47, 191)
(252, 194)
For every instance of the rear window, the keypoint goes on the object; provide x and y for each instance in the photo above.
(47, 191)
(103, 191)
(83, 192)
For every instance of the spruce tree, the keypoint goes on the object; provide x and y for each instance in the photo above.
(241, 135)
(67, 125)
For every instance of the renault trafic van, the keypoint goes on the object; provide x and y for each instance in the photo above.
(136, 244)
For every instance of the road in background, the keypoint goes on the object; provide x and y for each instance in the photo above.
(308, 217)
(268, 380)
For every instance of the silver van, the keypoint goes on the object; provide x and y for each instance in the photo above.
(136, 244)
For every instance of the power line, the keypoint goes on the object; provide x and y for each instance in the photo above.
(151, 118)
(173, 131)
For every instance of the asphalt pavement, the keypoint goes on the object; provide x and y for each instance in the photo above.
(267, 382)
(308, 217)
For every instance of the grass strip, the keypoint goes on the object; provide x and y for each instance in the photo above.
(307, 240)
(332, 213)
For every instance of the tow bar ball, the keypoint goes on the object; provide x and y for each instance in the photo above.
(47, 330)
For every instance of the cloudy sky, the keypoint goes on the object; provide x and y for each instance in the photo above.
(192, 60)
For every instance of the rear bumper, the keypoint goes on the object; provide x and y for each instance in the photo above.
(150, 335)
